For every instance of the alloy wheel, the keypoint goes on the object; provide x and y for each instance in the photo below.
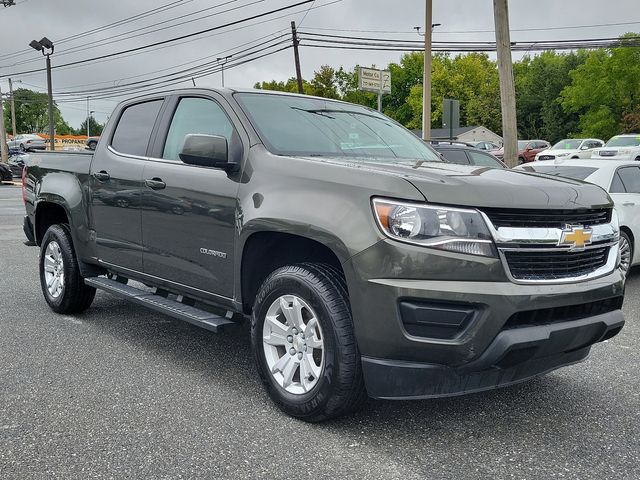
(54, 269)
(293, 344)
(625, 254)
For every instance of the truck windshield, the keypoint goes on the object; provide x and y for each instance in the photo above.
(291, 125)
(624, 142)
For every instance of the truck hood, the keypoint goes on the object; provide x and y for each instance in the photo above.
(452, 184)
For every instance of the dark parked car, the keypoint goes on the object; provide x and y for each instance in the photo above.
(5, 173)
(92, 142)
(468, 156)
(487, 146)
(17, 159)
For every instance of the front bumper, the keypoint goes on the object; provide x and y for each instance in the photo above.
(513, 356)
(399, 364)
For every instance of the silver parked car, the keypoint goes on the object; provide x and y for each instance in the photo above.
(26, 142)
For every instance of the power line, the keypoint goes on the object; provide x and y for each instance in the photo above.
(538, 29)
(115, 39)
(153, 11)
(170, 40)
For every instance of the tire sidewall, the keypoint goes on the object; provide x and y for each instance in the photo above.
(57, 234)
(307, 404)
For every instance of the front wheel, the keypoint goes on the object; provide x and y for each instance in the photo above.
(626, 253)
(520, 160)
(304, 345)
(62, 285)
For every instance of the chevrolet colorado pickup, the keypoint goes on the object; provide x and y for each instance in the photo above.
(364, 262)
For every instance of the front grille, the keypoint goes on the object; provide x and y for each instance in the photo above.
(546, 157)
(608, 153)
(545, 265)
(546, 316)
(504, 217)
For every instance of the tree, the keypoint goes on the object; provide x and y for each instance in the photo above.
(324, 84)
(539, 83)
(605, 91)
(95, 128)
(32, 112)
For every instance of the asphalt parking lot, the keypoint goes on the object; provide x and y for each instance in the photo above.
(122, 392)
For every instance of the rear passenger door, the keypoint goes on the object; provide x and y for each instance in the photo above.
(116, 186)
(189, 211)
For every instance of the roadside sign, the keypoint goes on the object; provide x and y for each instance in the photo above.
(376, 81)
(373, 80)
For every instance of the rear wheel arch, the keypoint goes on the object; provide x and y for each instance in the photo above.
(46, 215)
(266, 251)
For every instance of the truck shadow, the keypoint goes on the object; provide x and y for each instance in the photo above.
(225, 362)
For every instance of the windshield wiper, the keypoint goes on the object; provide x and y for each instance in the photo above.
(315, 112)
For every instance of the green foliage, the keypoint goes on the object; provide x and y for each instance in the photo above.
(605, 92)
(539, 83)
(31, 112)
(95, 128)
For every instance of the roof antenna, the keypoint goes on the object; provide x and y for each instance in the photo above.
(194, 81)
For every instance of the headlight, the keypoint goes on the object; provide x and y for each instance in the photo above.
(445, 228)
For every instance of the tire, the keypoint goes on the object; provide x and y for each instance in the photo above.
(338, 385)
(122, 203)
(626, 253)
(22, 147)
(73, 296)
(520, 160)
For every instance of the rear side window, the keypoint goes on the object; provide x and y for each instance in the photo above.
(133, 131)
(455, 156)
(630, 177)
(195, 115)
(483, 160)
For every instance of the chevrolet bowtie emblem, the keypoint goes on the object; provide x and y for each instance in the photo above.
(576, 237)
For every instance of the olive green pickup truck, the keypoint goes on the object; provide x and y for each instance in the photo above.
(365, 264)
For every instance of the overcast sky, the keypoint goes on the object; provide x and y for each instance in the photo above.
(467, 20)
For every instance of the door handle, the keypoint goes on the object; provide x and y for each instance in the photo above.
(155, 183)
(101, 176)
(629, 204)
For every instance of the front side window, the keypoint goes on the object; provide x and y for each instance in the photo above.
(195, 115)
(290, 125)
(133, 132)
(616, 185)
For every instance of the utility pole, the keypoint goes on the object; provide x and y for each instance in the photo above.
(507, 86)
(13, 108)
(426, 82)
(4, 154)
(296, 56)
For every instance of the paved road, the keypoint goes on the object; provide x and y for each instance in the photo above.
(120, 392)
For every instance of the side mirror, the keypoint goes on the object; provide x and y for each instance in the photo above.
(205, 151)
(529, 147)
(584, 147)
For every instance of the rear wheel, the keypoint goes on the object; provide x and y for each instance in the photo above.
(304, 345)
(62, 285)
(626, 253)
(520, 160)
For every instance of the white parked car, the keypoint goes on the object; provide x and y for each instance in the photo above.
(26, 143)
(571, 148)
(621, 179)
(620, 147)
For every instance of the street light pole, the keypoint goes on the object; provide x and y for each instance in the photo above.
(88, 121)
(42, 46)
(224, 61)
(426, 83)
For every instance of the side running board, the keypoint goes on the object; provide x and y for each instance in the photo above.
(173, 308)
